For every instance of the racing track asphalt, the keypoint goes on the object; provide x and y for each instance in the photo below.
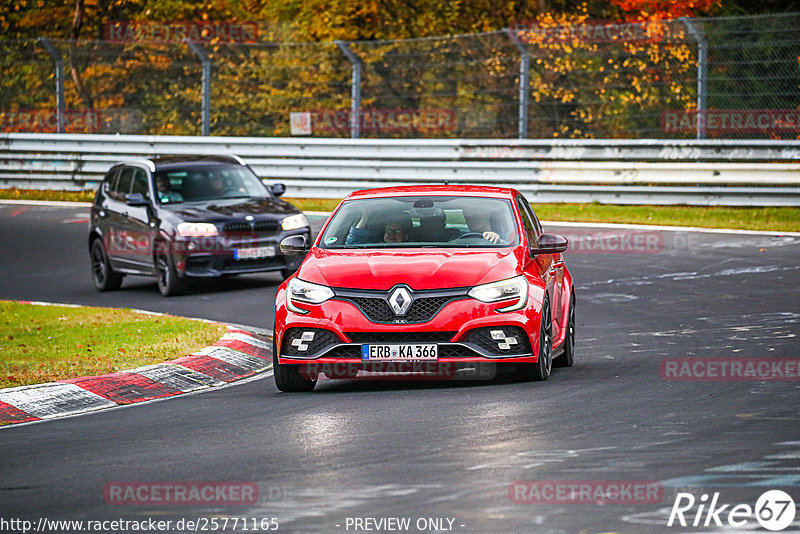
(356, 449)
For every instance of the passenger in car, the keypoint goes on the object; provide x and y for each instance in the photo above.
(373, 227)
(367, 230)
(397, 230)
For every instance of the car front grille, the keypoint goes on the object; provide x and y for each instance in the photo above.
(446, 350)
(260, 263)
(375, 304)
(299, 342)
(258, 227)
(400, 337)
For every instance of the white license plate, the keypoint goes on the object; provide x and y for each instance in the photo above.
(400, 353)
(253, 253)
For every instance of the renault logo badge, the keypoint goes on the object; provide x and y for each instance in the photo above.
(400, 300)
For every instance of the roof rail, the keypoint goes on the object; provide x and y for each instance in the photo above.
(144, 161)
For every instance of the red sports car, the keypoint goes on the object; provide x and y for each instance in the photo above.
(423, 277)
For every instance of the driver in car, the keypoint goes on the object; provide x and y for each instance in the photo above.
(480, 222)
(165, 192)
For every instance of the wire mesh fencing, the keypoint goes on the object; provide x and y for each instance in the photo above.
(728, 78)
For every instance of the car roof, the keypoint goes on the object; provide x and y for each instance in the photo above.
(166, 163)
(435, 190)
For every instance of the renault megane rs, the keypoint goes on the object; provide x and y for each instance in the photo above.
(425, 276)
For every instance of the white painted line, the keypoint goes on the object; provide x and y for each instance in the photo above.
(244, 338)
(52, 203)
(51, 400)
(176, 377)
(235, 357)
(39, 303)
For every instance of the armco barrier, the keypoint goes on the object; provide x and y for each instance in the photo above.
(723, 172)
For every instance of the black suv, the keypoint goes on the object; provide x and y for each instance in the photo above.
(183, 217)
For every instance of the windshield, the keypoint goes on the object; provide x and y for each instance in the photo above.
(429, 221)
(214, 182)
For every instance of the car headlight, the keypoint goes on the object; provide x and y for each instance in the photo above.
(293, 222)
(188, 229)
(513, 288)
(302, 291)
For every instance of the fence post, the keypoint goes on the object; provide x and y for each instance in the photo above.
(355, 93)
(206, 82)
(524, 83)
(56, 55)
(702, 72)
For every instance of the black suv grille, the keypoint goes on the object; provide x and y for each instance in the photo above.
(270, 227)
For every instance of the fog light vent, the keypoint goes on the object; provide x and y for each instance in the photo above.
(300, 343)
(504, 342)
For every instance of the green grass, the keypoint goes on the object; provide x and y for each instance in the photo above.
(785, 219)
(778, 219)
(46, 343)
(36, 194)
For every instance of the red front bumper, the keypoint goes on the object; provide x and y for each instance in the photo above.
(461, 317)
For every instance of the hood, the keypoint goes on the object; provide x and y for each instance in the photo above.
(238, 208)
(418, 268)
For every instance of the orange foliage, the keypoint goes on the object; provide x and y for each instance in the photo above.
(636, 10)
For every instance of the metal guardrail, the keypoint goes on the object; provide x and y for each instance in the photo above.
(609, 171)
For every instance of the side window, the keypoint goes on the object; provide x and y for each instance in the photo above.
(124, 184)
(527, 221)
(535, 219)
(140, 183)
(110, 181)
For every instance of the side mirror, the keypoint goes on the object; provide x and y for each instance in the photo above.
(550, 244)
(278, 189)
(136, 200)
(294, 245)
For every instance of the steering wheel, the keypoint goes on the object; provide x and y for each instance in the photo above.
(468, 234)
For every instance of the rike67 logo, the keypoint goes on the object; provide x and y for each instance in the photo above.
(774, 510)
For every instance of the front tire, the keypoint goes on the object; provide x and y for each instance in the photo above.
(289, 377)
(169, 283)
(105, 279)
(568, 357)
(540, 370)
